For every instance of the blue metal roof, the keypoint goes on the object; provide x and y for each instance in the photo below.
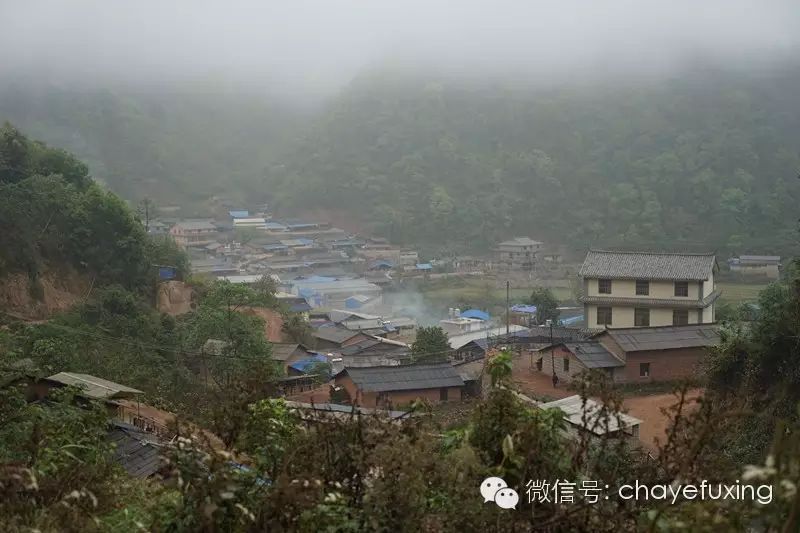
(239, 214)
(303, 364)
(475, 313)
(521, 308)
(300, 307)
(274, 225)
(424, 266)
(572, 320)
(275, 247)
(381, 263)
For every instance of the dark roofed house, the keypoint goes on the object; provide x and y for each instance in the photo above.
(634, 355)
(335, 338)
(384, 386)
(759, 265)
(138, 452)
(288, 353)
(641, 289)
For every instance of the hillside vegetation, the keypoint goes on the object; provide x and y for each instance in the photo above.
(706, 160)
(702, 162)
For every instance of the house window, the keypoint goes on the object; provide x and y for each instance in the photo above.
(566, 364)
(681, 288)
(603, 316)
(604, 286)
(644, 370)
(641, 317)
(443, 394)
(680, 317)
(642, 287)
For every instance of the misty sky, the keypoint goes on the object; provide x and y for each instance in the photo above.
(312, 44)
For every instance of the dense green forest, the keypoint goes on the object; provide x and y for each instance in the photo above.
(705, 160)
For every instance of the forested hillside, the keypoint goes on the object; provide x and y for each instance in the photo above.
(707, 161)
(172, 145)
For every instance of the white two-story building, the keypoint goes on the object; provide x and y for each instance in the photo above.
(638, 289)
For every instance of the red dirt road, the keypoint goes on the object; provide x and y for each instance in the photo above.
(648, 409)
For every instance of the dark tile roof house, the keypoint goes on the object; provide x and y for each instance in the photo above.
(648, 266)
(593, 355)
(404, 377)
(663, 337)
(136, 451)
(336, 335)
(288, 351)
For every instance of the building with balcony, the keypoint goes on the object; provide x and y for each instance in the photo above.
(640, 289)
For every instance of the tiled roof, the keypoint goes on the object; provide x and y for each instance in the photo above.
(652, 302)
(647, 265)
(136, 451)
(282, 351)
(404, 377)
(593, 355)
(336, 335)
(664, 337)
(196, 225)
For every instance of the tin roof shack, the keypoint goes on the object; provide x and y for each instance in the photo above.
(388, 386)
(587, 415)
(333, 293)
(91, 388)
(768, 266)
(641, 289)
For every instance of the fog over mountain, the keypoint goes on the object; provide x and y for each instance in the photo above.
(310, 47)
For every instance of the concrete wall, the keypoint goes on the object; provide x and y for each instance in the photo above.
(626, 288)
(622, 317)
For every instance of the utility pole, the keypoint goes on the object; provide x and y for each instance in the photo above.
(508, 312)
(552, 354)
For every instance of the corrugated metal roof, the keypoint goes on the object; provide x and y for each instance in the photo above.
(457, 341)
(759, 259)
(588, 414)
(664, 337)
(593, 355)
(283, 351)
(94, 387)
(404, 377)
(520, 241)
(647, 265)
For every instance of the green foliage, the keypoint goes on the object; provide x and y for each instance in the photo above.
(755, 369)
(55, 217)
(639, 165)
(546, 305)
(431, 344)
(500, 367)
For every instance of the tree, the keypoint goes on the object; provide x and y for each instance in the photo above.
(431, 344)
(546, 305)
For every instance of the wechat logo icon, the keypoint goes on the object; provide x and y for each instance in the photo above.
(495, 489)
